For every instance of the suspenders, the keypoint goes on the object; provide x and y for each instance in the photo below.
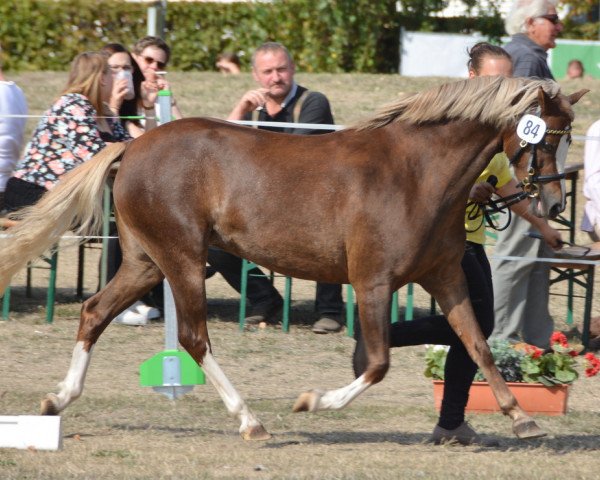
(295, 113)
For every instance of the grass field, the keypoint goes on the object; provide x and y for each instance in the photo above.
(120, 430)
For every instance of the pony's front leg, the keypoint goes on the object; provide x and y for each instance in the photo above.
(461, 317)
(374, 310)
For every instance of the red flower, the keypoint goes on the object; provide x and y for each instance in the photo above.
(558, 337)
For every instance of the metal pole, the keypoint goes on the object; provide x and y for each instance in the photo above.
(156, 18)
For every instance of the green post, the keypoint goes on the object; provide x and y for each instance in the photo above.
(287, 300)
(243, 290)
(408, 313)
(53, 262)
(349, 310)
(394, 309)
(6, 303)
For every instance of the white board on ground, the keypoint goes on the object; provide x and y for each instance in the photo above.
(31, 431)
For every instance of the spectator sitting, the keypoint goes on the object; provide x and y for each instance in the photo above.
(228, 63)
(280, 99)
(124, 101)
(71, 132)
(152, 55)
(12, 102)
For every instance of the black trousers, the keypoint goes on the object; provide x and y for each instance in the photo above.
(19, 194)
(460, 369)
(261, 292)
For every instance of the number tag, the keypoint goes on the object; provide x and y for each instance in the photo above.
(531, 129)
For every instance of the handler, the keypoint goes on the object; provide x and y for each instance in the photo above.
(484, 59)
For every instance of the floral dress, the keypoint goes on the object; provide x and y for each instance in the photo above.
(66, 136)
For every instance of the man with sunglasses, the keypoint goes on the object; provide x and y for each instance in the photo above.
(152, 55)
(521, 289)
(534, 26)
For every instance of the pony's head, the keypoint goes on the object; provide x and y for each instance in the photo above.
(537, 147)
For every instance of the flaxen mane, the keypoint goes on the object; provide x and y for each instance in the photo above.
(496, 101)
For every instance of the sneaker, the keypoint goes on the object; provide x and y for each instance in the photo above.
(131, 317)
(326, 324)
(150, 312)
(461, 435)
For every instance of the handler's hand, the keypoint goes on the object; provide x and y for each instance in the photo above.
(249, 102)
(481, 192)
(552, 237)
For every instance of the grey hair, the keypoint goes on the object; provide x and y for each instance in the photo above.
(271, 47)
(521, 10)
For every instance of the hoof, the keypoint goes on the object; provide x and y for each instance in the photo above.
(307, 402)
(256, 432)
(527, 429)
(48, 405)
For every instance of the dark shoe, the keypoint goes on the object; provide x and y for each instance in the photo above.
(326, 324)
(461, 435)
(268, 314)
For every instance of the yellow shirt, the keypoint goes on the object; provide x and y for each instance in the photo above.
(499, 167)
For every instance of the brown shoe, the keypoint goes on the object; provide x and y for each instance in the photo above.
(326, 325)
(461, 435)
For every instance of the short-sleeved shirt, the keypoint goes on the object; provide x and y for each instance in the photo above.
(499, 167)
(65, 137)
(315, 109)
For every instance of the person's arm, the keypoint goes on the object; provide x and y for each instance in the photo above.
(551, 236)
(249, 102)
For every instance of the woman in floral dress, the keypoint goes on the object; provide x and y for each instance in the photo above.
(75, 128)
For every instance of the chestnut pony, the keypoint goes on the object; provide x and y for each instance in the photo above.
(377, 205)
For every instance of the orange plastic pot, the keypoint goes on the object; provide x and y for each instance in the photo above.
(534, 398)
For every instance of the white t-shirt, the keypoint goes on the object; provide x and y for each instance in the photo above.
(12, 102)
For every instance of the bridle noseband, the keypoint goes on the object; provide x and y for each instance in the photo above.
(531, 183)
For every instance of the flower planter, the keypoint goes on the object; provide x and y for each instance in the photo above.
(534, 398)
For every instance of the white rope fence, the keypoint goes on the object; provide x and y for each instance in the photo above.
(306, 126)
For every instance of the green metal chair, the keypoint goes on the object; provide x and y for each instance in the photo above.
(51, 264)
(287, 295)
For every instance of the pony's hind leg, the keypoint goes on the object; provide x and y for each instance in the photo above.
(136, 276)
(454, 302)
(374, 309)
(187, 282)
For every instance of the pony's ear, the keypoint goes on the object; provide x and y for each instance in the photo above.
(544, 100)
(574, 97)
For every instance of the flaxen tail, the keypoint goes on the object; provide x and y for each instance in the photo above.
(74, 203)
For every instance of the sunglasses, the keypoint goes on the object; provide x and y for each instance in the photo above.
(150, 61)
(552, 18)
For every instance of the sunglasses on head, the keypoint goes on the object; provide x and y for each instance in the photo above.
(150, 61)
(552, 18)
